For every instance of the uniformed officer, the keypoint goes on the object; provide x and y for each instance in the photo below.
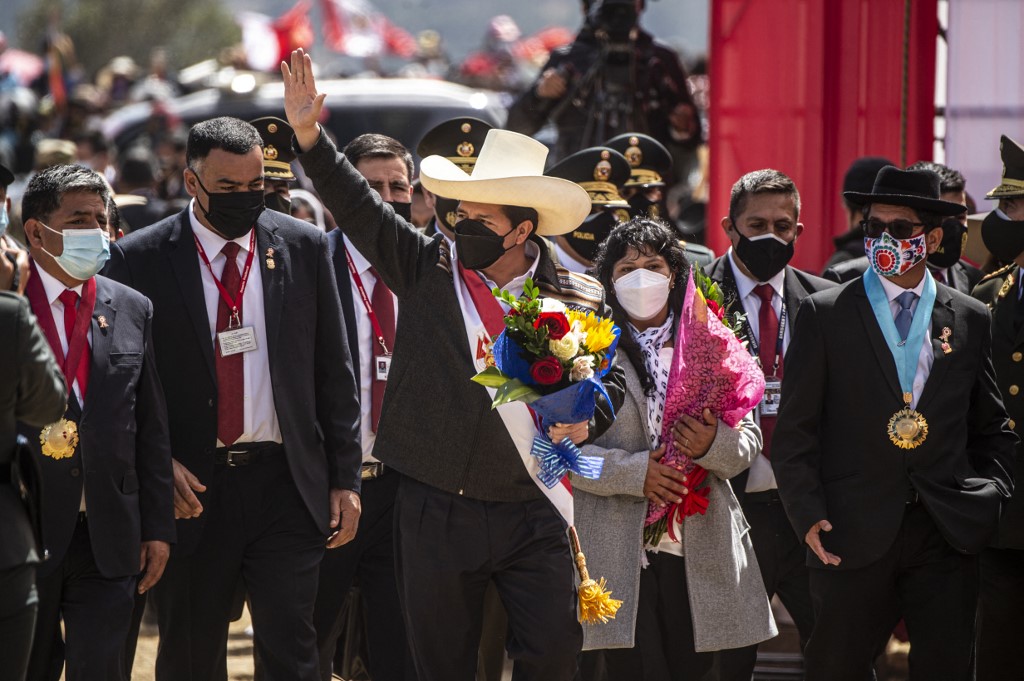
(277, 158)
(1001, 603)
(602, 172)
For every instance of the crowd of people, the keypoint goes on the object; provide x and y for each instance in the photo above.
(252, 388)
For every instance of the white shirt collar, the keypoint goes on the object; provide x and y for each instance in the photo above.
(516, 285)
(892, 291)
(744, 284)
(52, 287)
(212, 242)
(361, 263)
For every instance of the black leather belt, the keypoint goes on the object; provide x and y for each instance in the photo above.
(371, 470)
(245, 454)
(769, 496)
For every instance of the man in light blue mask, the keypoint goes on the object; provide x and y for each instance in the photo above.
(106, 465)
(13, 260)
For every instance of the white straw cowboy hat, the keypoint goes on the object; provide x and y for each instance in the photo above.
(510, 172)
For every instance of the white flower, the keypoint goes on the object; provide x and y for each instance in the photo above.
(582, 368)
(566, 347)
(552, 305)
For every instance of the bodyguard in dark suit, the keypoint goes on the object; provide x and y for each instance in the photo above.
(763, 226)
(263, 413)
(945, 263)
(892, 450)
(106, 465)
(32, 392)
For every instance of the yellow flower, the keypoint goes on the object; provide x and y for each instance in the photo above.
(598, 329)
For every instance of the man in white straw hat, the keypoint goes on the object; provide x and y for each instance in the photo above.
(469, 509)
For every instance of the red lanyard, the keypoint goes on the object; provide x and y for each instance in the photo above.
(233, 305)
(366, 302)
(79, 334)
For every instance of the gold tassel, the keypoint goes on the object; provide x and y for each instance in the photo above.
(596, 603)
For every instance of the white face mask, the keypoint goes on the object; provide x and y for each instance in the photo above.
(642, 293)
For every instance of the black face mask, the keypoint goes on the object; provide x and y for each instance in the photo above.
(1003, 238)
(232, 213)
(478, 247)
(642, 207)
(446, 211)
(278, 202)
(953, 236)
(764, 256)
(402, 210)
(586, 238)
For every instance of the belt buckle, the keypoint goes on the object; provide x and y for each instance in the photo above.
(371, 470)
(229, 457)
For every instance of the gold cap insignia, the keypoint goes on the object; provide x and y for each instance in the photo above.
(270, 152)
(466, 127)
(634, 155)
(465, 149)
(603, 169)
(272, 127)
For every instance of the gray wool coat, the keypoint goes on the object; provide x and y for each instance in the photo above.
(727, 598)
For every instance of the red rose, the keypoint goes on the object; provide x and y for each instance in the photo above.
(546, 371)
(557, 323)
(716, 309)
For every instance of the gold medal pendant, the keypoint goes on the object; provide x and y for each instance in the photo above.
(59, 439)
(908, 427)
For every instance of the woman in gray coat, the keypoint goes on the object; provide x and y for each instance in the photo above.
(697, 595)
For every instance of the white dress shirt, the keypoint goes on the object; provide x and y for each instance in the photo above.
(365, 334)
(515, 287)
(761, 477)
(568, 261)
(926, 356)
(259, 414)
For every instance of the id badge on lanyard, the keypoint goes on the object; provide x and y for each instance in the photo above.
(769, 405)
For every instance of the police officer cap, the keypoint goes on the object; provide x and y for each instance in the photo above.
(277, 147)
(459, 140)
(1012, 183)
(649, 159)
(599, 170)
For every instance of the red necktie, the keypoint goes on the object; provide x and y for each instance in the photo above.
(768, 336)
(384, 309)
(230, 370)
(940, 276)
(70, 301)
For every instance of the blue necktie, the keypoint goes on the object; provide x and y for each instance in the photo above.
(904, 317)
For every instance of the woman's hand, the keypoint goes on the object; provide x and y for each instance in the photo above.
(577, 432)
(694, 437)
(663, 485)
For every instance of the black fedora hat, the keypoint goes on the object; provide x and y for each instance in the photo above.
(917, 189)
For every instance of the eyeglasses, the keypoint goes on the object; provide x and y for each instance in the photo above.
(900, 229)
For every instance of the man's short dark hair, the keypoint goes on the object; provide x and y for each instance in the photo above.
(950, 181)
(47, 188)
(373, 145)
(765, 181)
(232, 135)
(517, 214)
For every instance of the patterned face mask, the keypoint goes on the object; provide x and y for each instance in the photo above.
(891, 257)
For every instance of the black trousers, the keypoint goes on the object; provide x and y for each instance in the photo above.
(781, 555)
(448, 547)
(1001, 616)
(257, 528)
(18, 603)
(369, 561)
(920, 578)
(96, 610)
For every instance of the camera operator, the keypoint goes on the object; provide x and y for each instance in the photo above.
(612, 79)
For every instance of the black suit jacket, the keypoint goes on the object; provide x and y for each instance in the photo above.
(963, 276)
(123, 456)
(32, 392)
(831, 452)
(310, 366)
(797, 286)
(349, 298)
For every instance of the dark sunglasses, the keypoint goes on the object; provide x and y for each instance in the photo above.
(900, 229)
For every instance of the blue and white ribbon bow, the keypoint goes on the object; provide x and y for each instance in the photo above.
(558, 459)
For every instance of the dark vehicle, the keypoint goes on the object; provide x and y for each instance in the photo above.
(402, 108)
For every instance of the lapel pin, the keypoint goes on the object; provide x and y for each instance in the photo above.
(944, 337)
(102, 322)
(270, 259)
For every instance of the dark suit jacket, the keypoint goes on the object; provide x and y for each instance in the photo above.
(349, 298)
(963, 276)
(797, 286)
(32, 391)
(437, 425)
(123, 456)
(831, 452)
(310, 365)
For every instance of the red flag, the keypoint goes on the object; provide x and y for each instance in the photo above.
(356, 28)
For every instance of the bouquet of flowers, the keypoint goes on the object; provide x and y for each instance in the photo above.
(711, 369)
(553, 359)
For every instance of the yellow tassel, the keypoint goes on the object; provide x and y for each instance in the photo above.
(596, 602)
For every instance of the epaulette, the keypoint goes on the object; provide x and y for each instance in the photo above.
(998, 273)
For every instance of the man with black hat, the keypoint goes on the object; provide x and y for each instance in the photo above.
(602, 172)
(892, 449)
(277, 157)
(859, 177)
(945, 263)
(1001, 602)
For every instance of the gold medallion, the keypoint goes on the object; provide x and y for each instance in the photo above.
(908, 428)
(59, 439)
